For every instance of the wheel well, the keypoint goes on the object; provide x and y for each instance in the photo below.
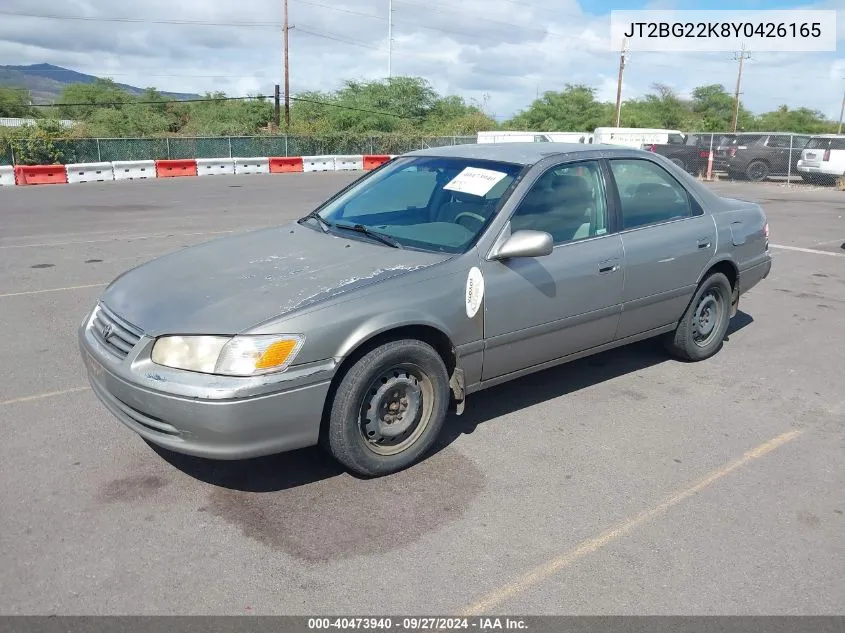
(727, 268)
(426, 333)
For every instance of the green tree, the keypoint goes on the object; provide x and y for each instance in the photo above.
(800, 120)
(573, 109)
(14, 102)
(80, 101)
(714, 107)
(660, 109)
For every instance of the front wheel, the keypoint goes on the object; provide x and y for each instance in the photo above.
(389, 408)
(702, 329)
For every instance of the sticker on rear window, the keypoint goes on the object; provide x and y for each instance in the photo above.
(475, 181)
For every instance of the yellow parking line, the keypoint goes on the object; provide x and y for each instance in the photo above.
(41, 396)
(589, 546)
(38, 292)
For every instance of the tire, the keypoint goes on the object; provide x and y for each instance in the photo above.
(757, 171)
(689, 342)
(415, 372)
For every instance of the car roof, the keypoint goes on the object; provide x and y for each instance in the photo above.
(826, 135)
(519, 153)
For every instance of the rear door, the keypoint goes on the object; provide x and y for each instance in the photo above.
(667, 239)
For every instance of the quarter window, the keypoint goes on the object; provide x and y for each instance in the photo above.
(648, 194)
(568, 202)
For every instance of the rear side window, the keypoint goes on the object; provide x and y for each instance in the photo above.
(837, 143)
(779, 141)
(818, 143)
(745, 140)
(649, 194)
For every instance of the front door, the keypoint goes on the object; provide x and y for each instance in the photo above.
(541, 309)
(668, 242)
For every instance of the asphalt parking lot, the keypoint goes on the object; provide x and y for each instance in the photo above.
(627, 483)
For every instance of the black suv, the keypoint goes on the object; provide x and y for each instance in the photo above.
(756, 156)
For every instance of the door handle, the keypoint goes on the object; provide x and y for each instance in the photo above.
(704, 243)
(608, 266)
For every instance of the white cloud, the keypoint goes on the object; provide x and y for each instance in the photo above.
(508, 49)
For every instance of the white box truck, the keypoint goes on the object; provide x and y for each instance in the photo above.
(636, 137)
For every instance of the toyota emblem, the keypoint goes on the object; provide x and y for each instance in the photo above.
(107, 331)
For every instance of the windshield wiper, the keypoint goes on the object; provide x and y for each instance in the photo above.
(360, 228)
(316, 216)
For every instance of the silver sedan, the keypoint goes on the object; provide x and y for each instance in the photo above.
(443, 272)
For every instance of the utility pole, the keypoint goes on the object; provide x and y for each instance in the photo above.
(742, 56)
(841, 112)
(276, 107)
(287, 72)
(389, 39)
(622, 57)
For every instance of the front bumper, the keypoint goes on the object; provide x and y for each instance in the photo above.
(208, 416)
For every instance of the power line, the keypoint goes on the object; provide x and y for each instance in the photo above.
(336, 38)
(86, 18)
(160, 102)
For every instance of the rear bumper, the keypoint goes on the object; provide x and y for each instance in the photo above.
(752, 276)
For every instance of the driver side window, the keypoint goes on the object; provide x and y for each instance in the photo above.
(567, 202)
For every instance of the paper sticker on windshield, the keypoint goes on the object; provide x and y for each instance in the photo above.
(475, 181)
(474, 291)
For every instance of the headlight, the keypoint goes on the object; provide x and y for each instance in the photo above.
(229, 356)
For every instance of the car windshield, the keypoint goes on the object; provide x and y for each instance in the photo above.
(421, 202)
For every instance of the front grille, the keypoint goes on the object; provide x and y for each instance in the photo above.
(115, 334)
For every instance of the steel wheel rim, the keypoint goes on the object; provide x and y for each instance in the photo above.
(758, 171)
(396, 409)
(707, 317)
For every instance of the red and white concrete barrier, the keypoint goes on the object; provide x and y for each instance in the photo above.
(177, 168)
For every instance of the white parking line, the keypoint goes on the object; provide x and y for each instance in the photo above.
(38, 292)
(806, 250)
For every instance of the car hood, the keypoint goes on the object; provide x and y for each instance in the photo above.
(234, 283)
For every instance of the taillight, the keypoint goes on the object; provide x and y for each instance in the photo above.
(766, 231)
(652, 148)
(732, 152)
(826, 155)
(703, 154)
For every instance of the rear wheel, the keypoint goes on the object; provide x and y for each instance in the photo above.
(757, 171)
(389, 408)
(702, 329)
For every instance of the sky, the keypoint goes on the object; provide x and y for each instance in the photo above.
(500, 54)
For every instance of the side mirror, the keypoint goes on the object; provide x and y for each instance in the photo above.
(526, 244)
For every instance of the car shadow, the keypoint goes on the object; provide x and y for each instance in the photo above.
(310, 465)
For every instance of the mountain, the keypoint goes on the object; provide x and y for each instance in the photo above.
(45, 81)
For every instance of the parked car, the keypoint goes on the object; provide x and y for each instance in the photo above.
(759, 155)
(442, 273)
(823, 159)
(692, 152)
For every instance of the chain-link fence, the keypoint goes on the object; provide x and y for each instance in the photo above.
(746, 156)
(92, 150)
(760, 156)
